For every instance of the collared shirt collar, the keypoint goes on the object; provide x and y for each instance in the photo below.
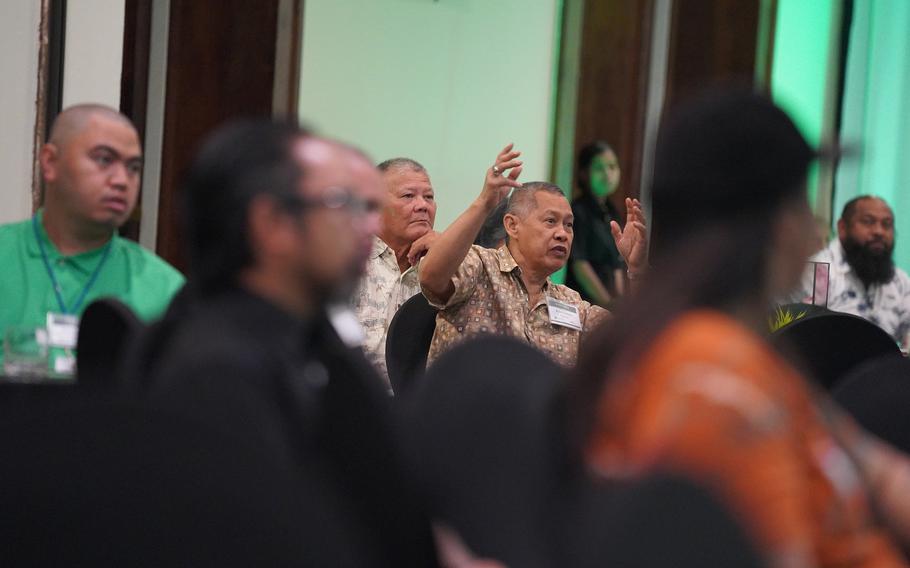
(379, 247)
(85, 261)
(507, 264)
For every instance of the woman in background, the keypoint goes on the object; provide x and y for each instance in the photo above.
(596, 267)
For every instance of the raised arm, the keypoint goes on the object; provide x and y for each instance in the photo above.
(452, 245)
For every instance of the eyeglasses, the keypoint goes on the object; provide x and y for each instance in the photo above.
(334, 198)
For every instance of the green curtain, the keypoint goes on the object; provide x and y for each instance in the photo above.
(876, 113)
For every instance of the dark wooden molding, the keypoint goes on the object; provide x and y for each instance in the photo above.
(289, 43)
(49, 95)
(711, 42)
(221, 64)
(134, 79)
(134, 82)
(613, 82)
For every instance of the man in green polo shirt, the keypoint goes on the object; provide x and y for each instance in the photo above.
(68, 254)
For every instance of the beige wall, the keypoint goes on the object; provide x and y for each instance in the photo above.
(446, 83)
(19, 65)
(94, 52)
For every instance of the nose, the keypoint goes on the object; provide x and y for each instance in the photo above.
(119, 176)
(561, 234)
(420, 204)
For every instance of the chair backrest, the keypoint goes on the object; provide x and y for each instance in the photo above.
(482, 436)
(108, 483)
(877, 395)
(105, 329)
(830, 344)
(408, 341)
(653, 522)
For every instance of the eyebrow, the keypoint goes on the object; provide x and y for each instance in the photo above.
(106, 148)
(557, 213)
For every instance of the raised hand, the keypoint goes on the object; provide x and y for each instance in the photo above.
(632, 242)
(498, 183)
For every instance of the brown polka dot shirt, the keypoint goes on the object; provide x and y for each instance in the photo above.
(490, 298)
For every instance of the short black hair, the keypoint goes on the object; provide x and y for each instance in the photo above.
(850, 207)
(239, 161)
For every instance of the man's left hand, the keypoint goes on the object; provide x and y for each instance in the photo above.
(421, 246)
(632, 242)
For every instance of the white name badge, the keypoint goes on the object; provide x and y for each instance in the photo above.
(62, 330)
(563, 314)
(346, 325)
(65, 364)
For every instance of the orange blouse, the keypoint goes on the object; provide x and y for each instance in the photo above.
(710, 399)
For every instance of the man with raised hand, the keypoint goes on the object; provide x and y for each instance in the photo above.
(508, 291)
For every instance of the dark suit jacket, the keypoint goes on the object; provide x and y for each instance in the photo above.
(293, 388)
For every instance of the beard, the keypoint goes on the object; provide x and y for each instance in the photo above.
(871, 266)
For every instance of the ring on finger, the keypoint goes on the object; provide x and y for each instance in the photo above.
(496, 170)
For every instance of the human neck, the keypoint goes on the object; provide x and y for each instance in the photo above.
(71, 236)
(266, 285)
(534, 280)
(400, 248)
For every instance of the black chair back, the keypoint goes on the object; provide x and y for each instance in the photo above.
(877, 395)
(105, 329)
(107, 483)
(653, 522)
(482, 436)
(408, 341)
(828, 345)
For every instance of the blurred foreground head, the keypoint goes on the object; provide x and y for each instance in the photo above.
(277, 209)
(730, 171)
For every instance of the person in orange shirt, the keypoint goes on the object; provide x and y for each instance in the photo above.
(684, 381)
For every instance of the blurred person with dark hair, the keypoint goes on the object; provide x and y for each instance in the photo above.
(682, 379)
(596, 268)
(863, 280)
(507, 291)
(69, 254)
(405, 234)
(492, 233)
(280, 226)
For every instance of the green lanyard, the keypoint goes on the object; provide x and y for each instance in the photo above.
(58, 291)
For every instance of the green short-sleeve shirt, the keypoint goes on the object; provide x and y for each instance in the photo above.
(131, 274)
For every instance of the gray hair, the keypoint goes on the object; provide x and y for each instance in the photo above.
(401, 164)
(522, 202)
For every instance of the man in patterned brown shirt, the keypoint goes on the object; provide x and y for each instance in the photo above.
(507, 291)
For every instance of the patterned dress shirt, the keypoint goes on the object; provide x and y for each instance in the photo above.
(886, 305)
(490, 297)
(382, 291)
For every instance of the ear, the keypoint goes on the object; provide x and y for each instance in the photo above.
(269, 230)
(841, 229)
(511, 223)
(49, 158)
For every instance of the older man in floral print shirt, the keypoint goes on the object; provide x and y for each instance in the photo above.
(405, 236)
